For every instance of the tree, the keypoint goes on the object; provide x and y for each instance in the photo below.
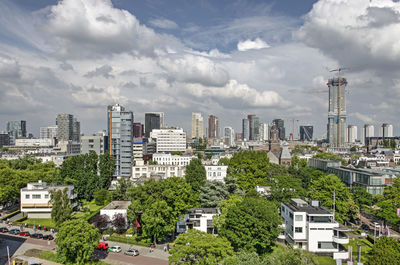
(212, 193)
(101, 221)
(362, 198)
(243, 258)
(252, 225)
(156, 220)
(353, 149)
(290, 257)
(61, 206)
(385, 251)
(195, 174)
(76, 241)
(119, 222)
(100, 197)
(196, 247)
(120, 193)
(225, 207)
(389, 203)
(330, 156)
(106, 170)
(325, 188)
(223, 161)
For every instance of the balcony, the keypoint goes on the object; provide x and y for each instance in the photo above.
(339, 235)
(344, 254)
(341, 239)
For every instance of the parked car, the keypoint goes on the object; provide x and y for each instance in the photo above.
(48, 237)
(103, 246)
(3, 230)
(37, 235)
(24, 234)
(132, 252)
(14, 231)
(115, 249)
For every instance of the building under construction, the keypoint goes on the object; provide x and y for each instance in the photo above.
(337, 111)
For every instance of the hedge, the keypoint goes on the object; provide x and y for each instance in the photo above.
(11, 215)
(129, 240)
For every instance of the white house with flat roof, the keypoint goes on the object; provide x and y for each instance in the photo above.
(168, 159)
(313, 228)
(198, 218)
(35, 199)
(217, 173)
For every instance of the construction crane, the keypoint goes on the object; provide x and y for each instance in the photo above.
(339, 107)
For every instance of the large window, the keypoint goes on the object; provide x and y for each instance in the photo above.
(298, 218)
(298, 229)
(326, 245)
(36, 196)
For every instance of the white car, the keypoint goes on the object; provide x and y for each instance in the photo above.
(116, 249)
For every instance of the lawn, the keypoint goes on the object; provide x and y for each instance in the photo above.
(48, 222)
(326, 260)
(89, 205)
(365, 248)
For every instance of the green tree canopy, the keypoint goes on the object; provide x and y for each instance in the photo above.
(290, 257)
(212, 193)
(330, 156)
(252, 225)
(195, 174)
(389, 203)
(62, 208)
(323, 190)
(196, 247)
(76, 241)
(385, 251)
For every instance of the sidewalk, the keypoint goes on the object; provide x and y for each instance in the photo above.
(143, 251)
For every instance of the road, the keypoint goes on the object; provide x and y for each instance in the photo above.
(18, 245)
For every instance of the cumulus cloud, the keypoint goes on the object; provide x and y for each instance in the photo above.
(163, 23)
(104, 71)
(252, 45)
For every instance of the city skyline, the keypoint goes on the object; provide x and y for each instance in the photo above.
(268, 60)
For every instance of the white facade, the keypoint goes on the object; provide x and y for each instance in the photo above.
(33, 142)
(351, 134)
(35, 199)
(229, 136)
(386, 130)
(198, 218)
(140, 170)
(168, 159)
(169, 140)
(264, 132)
(137, 148)
(217, 173)
(48, 132)
(116, 207)
(368, 131)
(197, 125)
(68, 147)
(313, 228)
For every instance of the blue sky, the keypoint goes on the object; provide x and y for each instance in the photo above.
(226, 58)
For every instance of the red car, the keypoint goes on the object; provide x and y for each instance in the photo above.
(103, 246)
(24, 234)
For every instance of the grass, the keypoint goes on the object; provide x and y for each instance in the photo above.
(365, 248)
(48, 222)
(92, 208)
(326, 260)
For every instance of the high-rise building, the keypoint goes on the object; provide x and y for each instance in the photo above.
(229, 136)
(213, 127)
(254, 127)
(120, 139)
(16, 129)
(153, 120)
(337, 116)
(138, 130)
(306, 133)
(94, 143)
(169, 140)
(68, 128)
(76, 131)
(368, 131)
(386, 130)
(281, 128)
(351, 134)
(4, 139)
(49, 132)
(197, 125)
(264, 131)
(245, 129)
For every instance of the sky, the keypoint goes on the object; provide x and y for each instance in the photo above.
(228, 58)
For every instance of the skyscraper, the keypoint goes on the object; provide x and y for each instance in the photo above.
(264, 131)
(16, 129)
(386, 130)
(337, 112)
(229, 136)
(76, 131)
(306, 133)
(245, 129)
(138, 130)
(213, 127)
(281, 128)
(254, 127)
(197, 125)
(49, 132)
(351, 134)
(368, 131)
(153, 120)
(120, 139)
(65, 125)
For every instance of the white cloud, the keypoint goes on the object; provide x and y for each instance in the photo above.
(252, 45)
(163, 23)
(364, 118)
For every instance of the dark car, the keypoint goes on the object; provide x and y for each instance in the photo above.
(3, 230)
(132, 252)
(14, 231)
(37, 235)
(365, 227)
(24, 234)
(48, 237)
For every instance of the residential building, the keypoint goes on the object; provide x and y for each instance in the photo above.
(141, 172)
(64, 124)
(213, 127)
(197, 125)
(386, 130)
(351, 134)
(49, 132)
(16, 129)
(120, 138)
(264, 131)
(169, 140)
(254, 127)
(245, 129)
(200, 219)
(281, 128)
(217, 172)
(368, 131)
(76, 131)
(229, 136)
(337, 108)
(33, 142)
(116, 207)
(138, 148)
(68, 147)
(4, 139)
(35, 199)
(313, 228)
(138, 130)
(153, 120)
(94, 143)
(168, 159)
(306, 133)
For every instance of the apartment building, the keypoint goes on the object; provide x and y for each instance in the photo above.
(200, 219)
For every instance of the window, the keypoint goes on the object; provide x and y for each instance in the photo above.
(36, 196)
(298, 229)
(46, 196)
(27, 196)
(291, 215)
(298, 218)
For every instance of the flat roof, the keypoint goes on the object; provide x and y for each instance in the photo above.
(117, 205)
(299, 205)
(204, 210)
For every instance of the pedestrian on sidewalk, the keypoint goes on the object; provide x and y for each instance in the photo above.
(165, 248)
